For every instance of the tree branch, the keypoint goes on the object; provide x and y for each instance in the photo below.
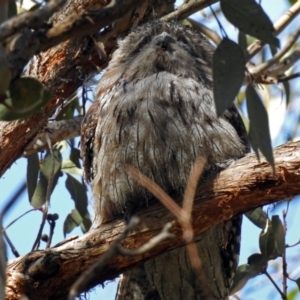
(56, 131)
(245, 185)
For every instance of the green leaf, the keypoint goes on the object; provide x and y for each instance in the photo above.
(259, 125)
(75, 156)
(62, 146)
(228, 73)
(286, 86)
(258, 262)
(266, 240)
(86, 223)
(279, 234)
(50, 169)
(267, 243)
(12, 8)
(292, 295)
(69, 225)
(78, 193)
(242, 40)
(27, 96)
(69, 166)
(258, 217)
(244, 273)
(249, 17)
(32, 173)
(292, 2)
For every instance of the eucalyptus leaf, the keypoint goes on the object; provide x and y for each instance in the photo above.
(78, 193)
(27, 96)
(86, 223)
(69, 166)
(12, 8)
(243, 274)
(32, 173)
(286, 86)
(279, 234)
(69, 225)
(258, 217)
(228, 73)
(75, 156)
(242, 40)
(267, 243)
(259, 132)
(50, 169)
(249, 17)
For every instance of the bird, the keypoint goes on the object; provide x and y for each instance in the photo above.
(154, 110)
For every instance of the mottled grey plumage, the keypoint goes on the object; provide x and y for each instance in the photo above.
(154, 110)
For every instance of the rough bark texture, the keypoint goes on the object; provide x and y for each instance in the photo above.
(246, 184)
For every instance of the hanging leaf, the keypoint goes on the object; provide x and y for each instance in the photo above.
(258, 217)
(279, 234)
(69, 225)
(228, 73)
(259, 132)
(242, 40)
(86, 223)
(249, 17)
(75, 156)
(27, 95)
(69, 167)
(256, 265)
(62, 146)
(286, 86)
(50, 169)
(32, 173)
(78, 193)
(267, 243)
(12, 8)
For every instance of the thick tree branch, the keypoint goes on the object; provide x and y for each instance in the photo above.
(245, 185)
(34, 19)
(55, 132)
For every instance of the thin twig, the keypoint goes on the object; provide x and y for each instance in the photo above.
(52, 224)
(152, 243)
(262, 68)
(284, 262)
(279, 26)
(275, 285)
(33, 19)
(11, 245)
(156, 191)
(211, 34)
(187, 9)
(16, 219)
